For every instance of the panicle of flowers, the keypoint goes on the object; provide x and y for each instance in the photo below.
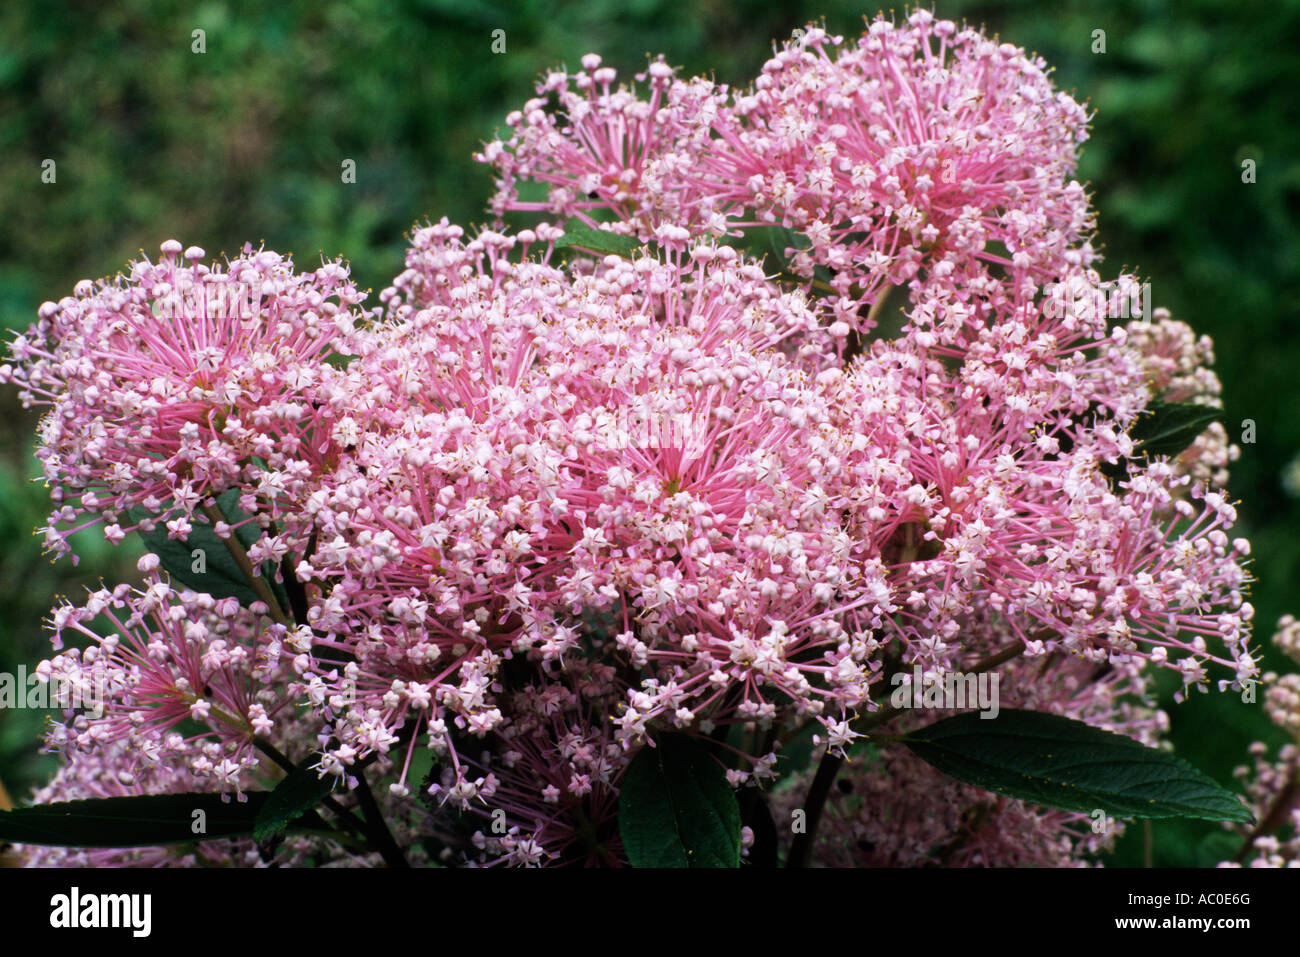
(532, 444)
(166, 386)
(1273, 782)
(601, 147)
(557, 504)
(909, 156)
(159, 658)
(921, 145)
(975, 496)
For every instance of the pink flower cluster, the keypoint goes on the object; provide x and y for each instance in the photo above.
(1273, 779)
(1178, 369)
(180, 381)
(541, 507)
(912, 154)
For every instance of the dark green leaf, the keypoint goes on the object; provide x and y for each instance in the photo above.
(676, 808)
(298, 793)
(141, 821)
(578, 236)
(1168, 428)
(1165, 428)
(1058, 762)
(214, 570)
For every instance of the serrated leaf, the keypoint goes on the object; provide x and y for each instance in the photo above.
(1062, 763)
(676, 809)
(300, 791)
(578, 236)
(140, 821)
(219, 576)
(1168, 428)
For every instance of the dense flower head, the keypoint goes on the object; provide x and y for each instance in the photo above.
(598, 146)
(968, 520)
(922, 152)
(667, 442)
(160, 659)
(546, 506)
(167, 385)
(638, 438)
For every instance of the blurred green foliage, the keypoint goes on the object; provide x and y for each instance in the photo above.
(245, 142)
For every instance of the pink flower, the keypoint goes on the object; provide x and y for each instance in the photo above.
(169, 657)
(170, 385)
(909, 156)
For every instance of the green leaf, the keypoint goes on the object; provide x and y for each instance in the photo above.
(142, 821)
(578, 236)
(770, 243)
(676, 808)
(217, 573)
(1061, 763)
(299, 792)
(1168, 428)
(1164, 428)
(338, 360)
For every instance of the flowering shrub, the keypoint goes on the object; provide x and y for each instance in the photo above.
(620, 541)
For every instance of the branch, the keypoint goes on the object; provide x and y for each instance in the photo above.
(821, 787)
(378, 830)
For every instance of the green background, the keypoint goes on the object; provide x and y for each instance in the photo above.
(245, 143)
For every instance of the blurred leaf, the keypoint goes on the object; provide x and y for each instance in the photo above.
(578, 236)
